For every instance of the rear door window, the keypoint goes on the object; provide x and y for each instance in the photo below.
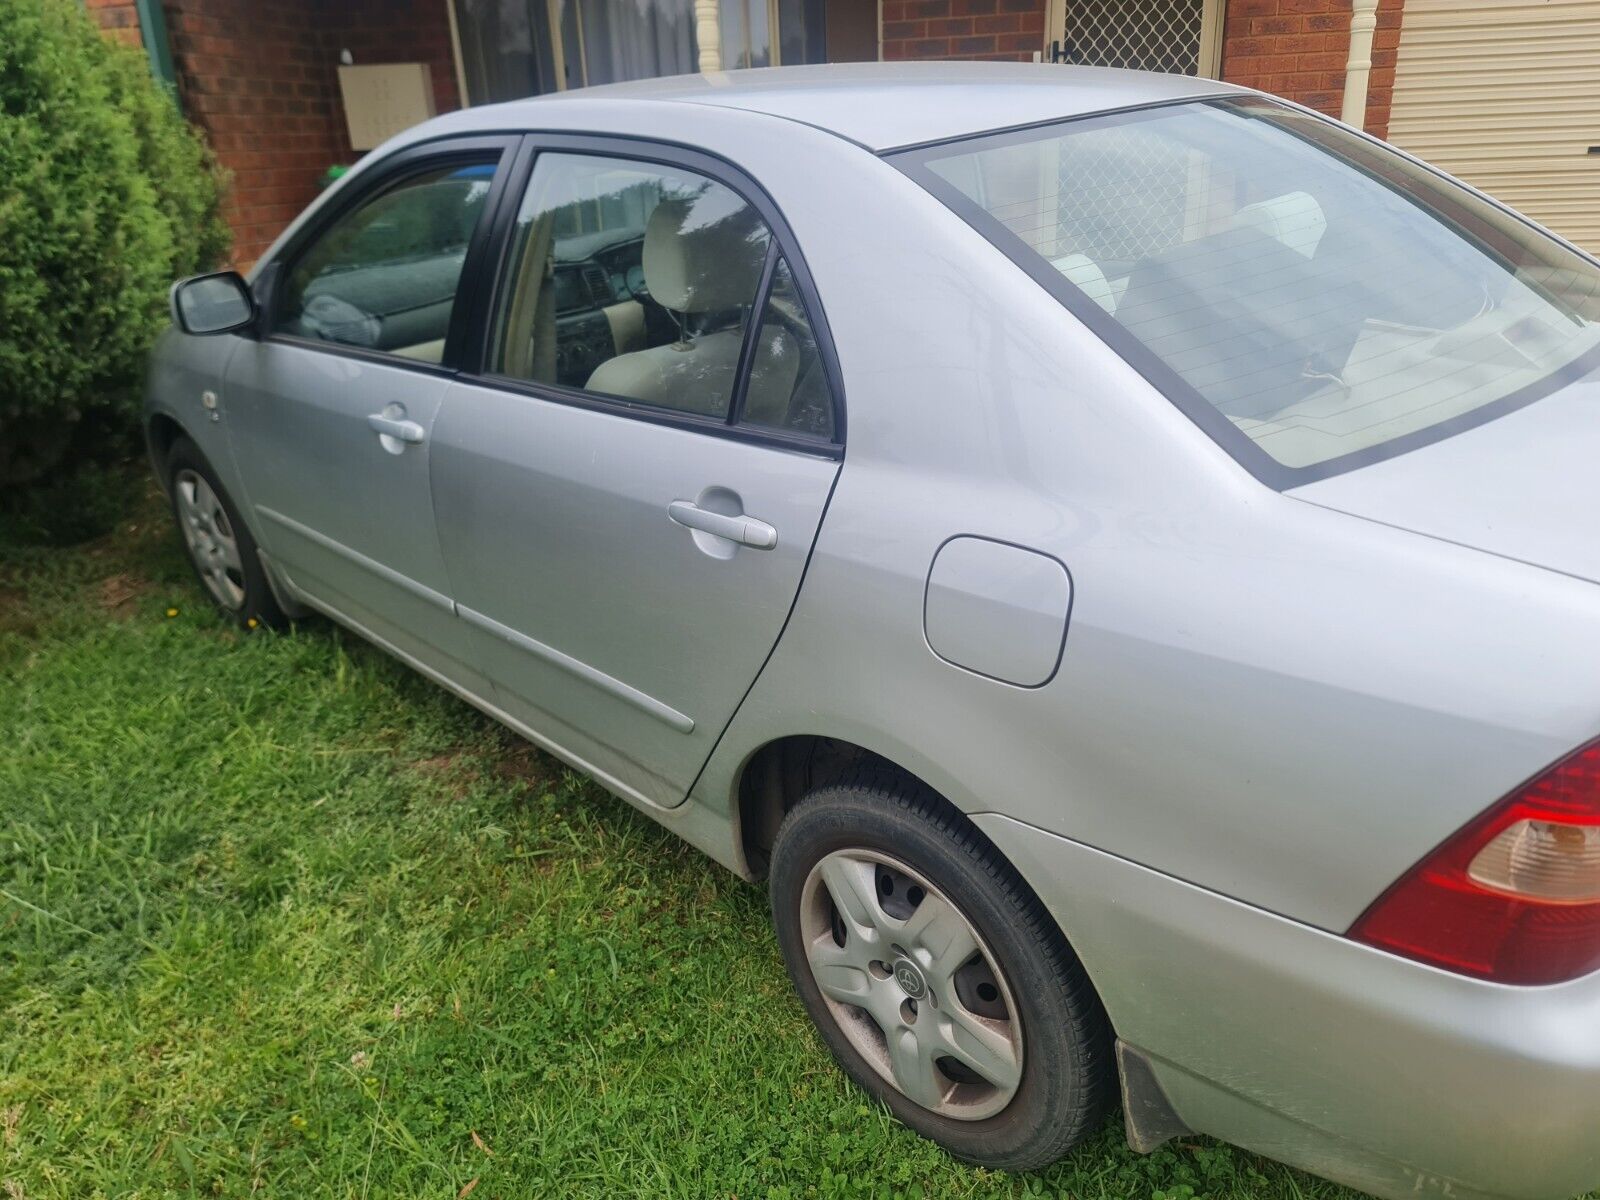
(651, 284)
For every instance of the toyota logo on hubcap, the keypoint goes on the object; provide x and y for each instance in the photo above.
(909, 979)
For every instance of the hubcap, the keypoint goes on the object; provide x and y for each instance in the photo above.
(911, 984)
(210, 538)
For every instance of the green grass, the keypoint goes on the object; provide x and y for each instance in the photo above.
(280, 917)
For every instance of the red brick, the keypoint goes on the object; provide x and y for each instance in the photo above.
(1001, 23)
(1019, 43)
(1322, 62)
(899, 31)
(1277, 64)
(925, 48)
(968, 46)
(1273, 25)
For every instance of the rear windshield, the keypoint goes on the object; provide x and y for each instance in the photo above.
(1312, 299)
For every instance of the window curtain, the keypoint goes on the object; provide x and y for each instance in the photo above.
(636, 39)
(505, 52)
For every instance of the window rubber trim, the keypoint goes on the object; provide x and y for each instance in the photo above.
(752, 330)
(914, 162)
(490, 281)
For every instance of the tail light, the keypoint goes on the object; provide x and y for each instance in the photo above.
(1515, 896)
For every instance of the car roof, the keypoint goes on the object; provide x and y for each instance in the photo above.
(883, 106)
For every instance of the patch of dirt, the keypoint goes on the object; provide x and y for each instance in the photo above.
(523, 763)
(14, 614)
(120, 594)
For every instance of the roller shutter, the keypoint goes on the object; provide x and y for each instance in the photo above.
(1505, 94)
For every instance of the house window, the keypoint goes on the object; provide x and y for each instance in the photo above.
(516, 48)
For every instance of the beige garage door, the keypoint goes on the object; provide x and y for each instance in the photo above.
(1505, 94)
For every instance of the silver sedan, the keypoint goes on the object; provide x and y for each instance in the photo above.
(1116, 553)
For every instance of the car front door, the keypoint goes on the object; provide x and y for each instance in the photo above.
(628, 492)
(330, 411)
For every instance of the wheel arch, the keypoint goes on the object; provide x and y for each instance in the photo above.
(161, 430)
(777, 775)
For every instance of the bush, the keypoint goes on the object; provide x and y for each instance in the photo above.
(106, 196)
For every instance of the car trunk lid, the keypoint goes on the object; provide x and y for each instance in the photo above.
(1525, 486)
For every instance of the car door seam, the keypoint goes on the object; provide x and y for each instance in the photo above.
(794, 603)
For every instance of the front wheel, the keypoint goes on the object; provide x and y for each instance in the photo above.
(218, 543)
(936, 977)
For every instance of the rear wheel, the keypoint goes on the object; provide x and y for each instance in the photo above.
(936, 977)
(218, 543)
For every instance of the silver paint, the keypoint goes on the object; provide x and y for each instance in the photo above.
(1267, 708)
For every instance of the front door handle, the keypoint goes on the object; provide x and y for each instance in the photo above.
(746, 531)
(406, 431)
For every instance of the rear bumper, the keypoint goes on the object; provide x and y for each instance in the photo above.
(1299, 1044)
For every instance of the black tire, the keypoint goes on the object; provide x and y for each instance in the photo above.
(1068, 1074)
(256, 603)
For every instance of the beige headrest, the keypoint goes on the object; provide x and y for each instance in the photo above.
(1295, 219)
(704, 252)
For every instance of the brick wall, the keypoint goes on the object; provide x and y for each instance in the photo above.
(1298, 49)
(253, 75)
(1004, 30)
(1292, 48)
(118, 19)
(260, 79)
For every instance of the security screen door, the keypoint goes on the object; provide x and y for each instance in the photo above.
(1179, 36)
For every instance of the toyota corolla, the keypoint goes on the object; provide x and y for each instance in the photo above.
(1115, 552)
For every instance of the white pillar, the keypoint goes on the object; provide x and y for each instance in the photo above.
(708, 34)
(1358, 70)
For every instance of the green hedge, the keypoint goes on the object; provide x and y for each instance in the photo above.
(106, 196)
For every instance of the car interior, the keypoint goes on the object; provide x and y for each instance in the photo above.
(640, 284)
(631, 281)
(385, 277)
(1298, 296)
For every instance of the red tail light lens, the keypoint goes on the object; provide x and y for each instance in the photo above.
(1515, 896)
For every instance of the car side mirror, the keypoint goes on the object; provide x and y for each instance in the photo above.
(217, 303)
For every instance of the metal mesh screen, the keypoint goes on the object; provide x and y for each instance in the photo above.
(1145, 35)
(1123, 194)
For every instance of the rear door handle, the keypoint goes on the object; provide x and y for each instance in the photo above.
(406, 431)
(747, 531)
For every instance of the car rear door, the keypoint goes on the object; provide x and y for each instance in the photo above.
(628, 491)
(330, 410)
